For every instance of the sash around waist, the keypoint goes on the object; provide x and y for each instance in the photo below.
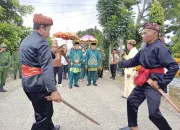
(29, 71)
(143, 75)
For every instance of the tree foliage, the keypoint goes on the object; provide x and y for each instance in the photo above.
(176, 47)
(156, 14)
(12, 30)
(50, 41)
(117, 21)
(114, 17)
(12, 11)
(89, 31)
(94, 32)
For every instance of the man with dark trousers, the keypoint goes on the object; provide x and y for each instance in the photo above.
(57, 65)
(153, 58)
(37, 73)
(113, 63)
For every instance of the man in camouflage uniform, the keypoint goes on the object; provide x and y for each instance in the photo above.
(16, 63)
(4, 66)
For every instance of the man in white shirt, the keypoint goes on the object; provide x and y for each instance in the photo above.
(129, 72)
(65, 67)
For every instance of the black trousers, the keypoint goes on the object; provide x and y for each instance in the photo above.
(58, 70)
(113, 70)
(43, 110)
(65, 71)
(138, 95)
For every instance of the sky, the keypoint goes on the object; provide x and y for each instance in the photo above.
(67, 15)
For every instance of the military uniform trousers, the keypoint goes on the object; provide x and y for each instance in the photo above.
(3, 75)
(17, 67)
(138, 95)
(43, 110)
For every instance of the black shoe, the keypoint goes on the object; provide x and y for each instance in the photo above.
(114, 78)
(88, 84)
(76, 85)
(110, 77)
(124, 97)
(70, 87)
(95, 84)
(125, 128)
(3, 90)
(56, 127)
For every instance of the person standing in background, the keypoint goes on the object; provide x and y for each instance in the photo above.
(5, 64)
(103, 57)
(76, 58)
(16, 63)
(57, 65)
(83, 64)
(64, 66)
(37, 73)
(113, 63)
(129, 72)
(92, 63)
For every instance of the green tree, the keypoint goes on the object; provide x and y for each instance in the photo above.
(94, 32)
(25, 32)
(176, 47)
(156, 14)
(114, 17)
(12, 11)
(172, 14)
(50, 41)
(11, 22)
(89, 31)
(10, 34)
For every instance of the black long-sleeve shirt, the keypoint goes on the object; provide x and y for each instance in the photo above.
(155, 55)
(35, 52)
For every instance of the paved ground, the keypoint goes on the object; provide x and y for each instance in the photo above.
(103, 103)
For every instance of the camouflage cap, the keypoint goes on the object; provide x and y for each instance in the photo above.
(3, 45)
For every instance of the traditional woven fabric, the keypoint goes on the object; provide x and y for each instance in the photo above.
(41, 19)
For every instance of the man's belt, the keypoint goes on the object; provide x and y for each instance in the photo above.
(143, 75)
(28, 71)
(5, 64)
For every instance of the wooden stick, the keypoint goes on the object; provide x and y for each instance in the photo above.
(169, 99)
(75, 109)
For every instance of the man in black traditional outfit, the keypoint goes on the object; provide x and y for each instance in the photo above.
(37, 73)
(153, 58)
